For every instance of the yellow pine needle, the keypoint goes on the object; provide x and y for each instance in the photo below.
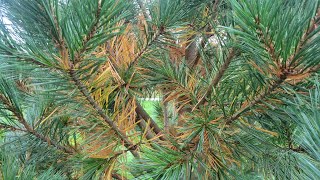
(258, 128)
(108, 174)
(45, 119)
(144, 134)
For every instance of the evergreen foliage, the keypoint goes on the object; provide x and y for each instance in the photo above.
(238, 82)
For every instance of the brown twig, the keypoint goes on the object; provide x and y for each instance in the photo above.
(303, 39)
(217, 78)
(31, 130)
(144, 50)
(153, 125)
(11, 128)
(143, 125)
(118, 177)
(165, 115)
(284, 70)
(92, 31)
(85, 92)
(258, 99)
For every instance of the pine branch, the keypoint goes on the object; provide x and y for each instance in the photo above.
(217, 78)
(31, 130)
(153, 125)
(139, 109)
(144, 50)
(285, 71)
(25, 59)
(85, 92)
(59, 41)
(299, 149)
(315, 69)
(165, 115)
(11, 128)
(215, 5)
(143, 125)
(117, 176)
(143, 114)
(257, 100)
(91, 32)
(267, 41)
(33, 61)
(304, 38)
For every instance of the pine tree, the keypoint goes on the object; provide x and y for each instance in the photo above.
(238, 83)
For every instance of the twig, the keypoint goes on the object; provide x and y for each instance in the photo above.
(11, 128)
(284, 70)
(143, 125)
(92, 31)
(258, 99)
(153, 125)
(165, 116)
(144, 50)
(303, 39)
(217, 78)
(117, 176)
(85, 92)
(29, 129)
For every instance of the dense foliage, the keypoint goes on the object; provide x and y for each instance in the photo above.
(238, 83)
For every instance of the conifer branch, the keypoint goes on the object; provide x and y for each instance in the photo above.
(24, 59)
(143, 125)
(304, 38)
(215, 5)
(139, 109)
(217, 78)
(256, 100)
(92, 31)
(153, 125)
(144, 50)
(11, 128)
(315, 69)
(30, 129)
(85, 92)
(117, 176)
(165, 116)
(285, 70)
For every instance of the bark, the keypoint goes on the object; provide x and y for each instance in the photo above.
(192, 54)
(165, 117)
(153, 125)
